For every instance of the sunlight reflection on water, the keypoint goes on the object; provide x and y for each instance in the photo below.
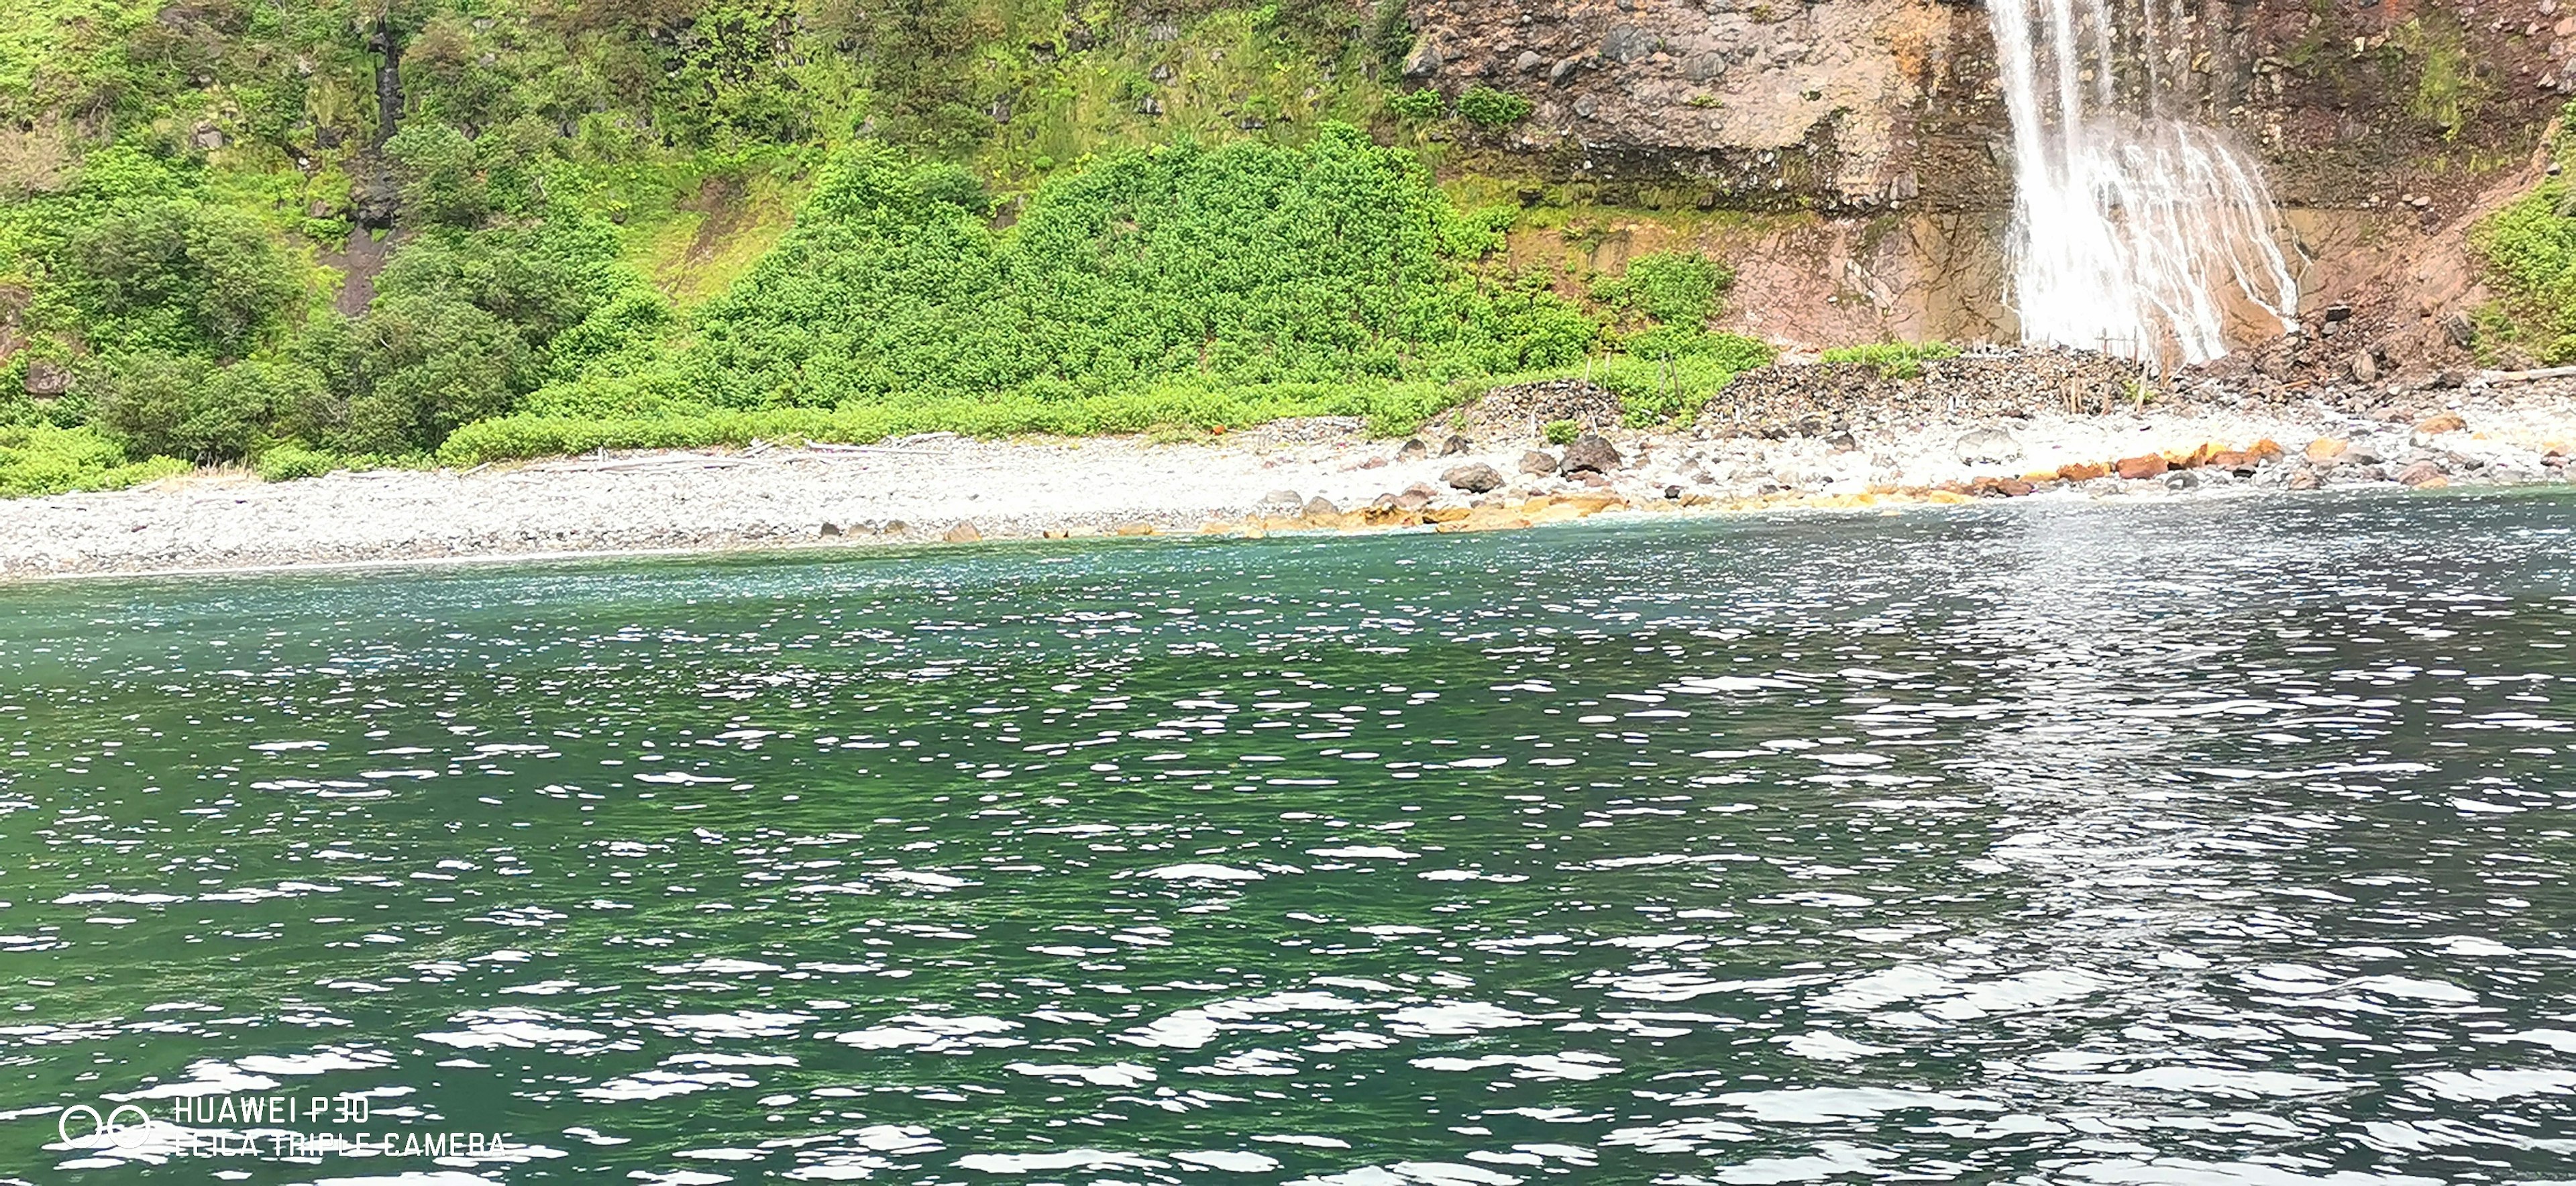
(2206, 844)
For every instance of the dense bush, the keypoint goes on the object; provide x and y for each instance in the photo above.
(174, 273)
(1253, 263)
(2529, 252)
(1492, 108)
(176, 405)
(44, 459)
(1422, 104)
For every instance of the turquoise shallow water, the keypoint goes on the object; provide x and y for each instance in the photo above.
(2212, 843)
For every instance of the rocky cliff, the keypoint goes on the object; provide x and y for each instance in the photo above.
(2383, 127)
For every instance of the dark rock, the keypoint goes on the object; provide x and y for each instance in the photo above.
(1423, 62)
(1412, 450)
(1413, 499)
(46, 377)
(894, 527)
(2182, 479)
(1454, 446)
(1673, 493)
(1590, 453)
(1474, 478)
(1537, 462)
(831, 531)
(2462, 332)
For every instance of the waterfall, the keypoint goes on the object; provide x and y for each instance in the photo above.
(2134, 232)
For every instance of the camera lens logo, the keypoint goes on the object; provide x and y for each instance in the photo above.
(81, 1122)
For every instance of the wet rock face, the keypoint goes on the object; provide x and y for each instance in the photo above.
(1769, 104)
(1863, 106)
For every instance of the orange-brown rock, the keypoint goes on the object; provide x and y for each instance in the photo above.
(963, 533)
(1136, 529)
(1446, 514)
(2442, 423)
(2325, 447)
(2146, 466)
(2265, 449)
(2081, 471)
(2234, 461)
(2198, 456)
(1390, 516)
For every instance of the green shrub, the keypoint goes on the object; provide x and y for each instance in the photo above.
(1671, 288)
(1391, 408)
(40, 459)
(287, 462)
(1252, 263)
(184, 406)
(1487, 107)
(1895, 360)
(441, 182)
(1563, 432)
(175, 274)
(1417, 105)
(2528, 250)
(1675, 382)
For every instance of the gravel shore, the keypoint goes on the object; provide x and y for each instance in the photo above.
(941, 488)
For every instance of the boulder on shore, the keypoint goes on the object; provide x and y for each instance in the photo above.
(1412, 450)
(2147, 466)
(1474, 478)
(2424, 475)
(1319, 506)
(1590, 453)
(1537, 461)
(963, 533)
(1987, 446)
(1454, 446)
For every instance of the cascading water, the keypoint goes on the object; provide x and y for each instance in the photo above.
(2134, 233)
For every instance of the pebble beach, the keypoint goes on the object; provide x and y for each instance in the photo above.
(1320, 475)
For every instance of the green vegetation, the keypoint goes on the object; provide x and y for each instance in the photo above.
(1417, 105)
(1669, 364)
(2449, 84)
(43, 459)
(1563, 432)
(1894, 360)
(367, 231)
(2529, 251)
(1485, 106)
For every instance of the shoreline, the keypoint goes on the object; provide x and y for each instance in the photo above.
(1276, 478)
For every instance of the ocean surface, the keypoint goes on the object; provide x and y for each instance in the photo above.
(2221, 842)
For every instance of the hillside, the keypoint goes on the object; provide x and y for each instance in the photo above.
(301, 236)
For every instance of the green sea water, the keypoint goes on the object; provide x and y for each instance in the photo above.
(2224, 842)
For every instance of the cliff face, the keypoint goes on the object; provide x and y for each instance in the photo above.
(2383, 126)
